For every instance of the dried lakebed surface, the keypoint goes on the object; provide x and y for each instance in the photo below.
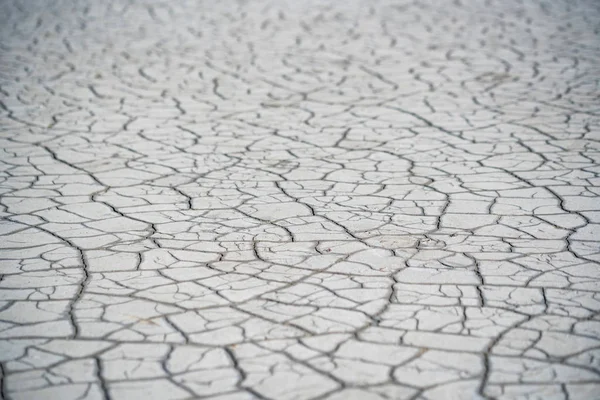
(334, 200)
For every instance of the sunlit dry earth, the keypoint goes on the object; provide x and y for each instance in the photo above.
(300, 200)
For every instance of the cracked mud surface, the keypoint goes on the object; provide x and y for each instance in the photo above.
(300, 200)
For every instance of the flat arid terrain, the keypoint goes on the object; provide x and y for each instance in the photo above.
(300, 200)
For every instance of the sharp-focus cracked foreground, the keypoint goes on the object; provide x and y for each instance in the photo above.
(336, 200)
